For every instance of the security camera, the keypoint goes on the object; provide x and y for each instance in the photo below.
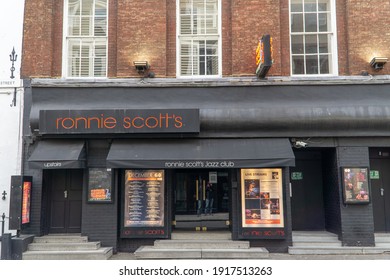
(300, 144)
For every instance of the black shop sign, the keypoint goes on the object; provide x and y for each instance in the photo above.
(119, 121)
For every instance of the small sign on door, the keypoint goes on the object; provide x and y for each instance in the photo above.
(374, 174)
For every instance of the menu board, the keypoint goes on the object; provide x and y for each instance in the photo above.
(262, 198)
(355, 185)
(100, 185)
(144, 198)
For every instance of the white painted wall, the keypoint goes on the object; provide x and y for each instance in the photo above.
(11, 25)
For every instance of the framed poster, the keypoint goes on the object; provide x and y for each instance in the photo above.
(144, 211)
(262, 198)
(355, 185)
(100, 185)
(26, 202)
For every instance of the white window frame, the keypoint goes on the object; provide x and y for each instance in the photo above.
(333, 43)
(217, 37)
(65, 45)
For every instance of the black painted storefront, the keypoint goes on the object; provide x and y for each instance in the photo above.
(240, 127)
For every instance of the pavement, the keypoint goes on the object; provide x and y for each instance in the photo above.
(280, 256)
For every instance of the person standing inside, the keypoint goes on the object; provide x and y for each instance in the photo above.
(209, 198)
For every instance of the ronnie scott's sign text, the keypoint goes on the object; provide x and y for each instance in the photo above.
(119, 121)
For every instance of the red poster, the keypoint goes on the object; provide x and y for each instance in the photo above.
(26, 202)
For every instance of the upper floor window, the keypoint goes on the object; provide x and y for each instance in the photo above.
(85, 49)
(313, 37)
(199, 38)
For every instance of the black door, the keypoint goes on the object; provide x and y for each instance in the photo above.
(307, 204)
(199, 204)
(65, 201)
(380, 191)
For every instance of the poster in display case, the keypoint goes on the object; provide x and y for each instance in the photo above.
(262, 198)
(143, 213)
(100, 185)
(355, 185)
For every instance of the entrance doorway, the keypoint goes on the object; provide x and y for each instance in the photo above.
(307, 202)
(201, 199)
(65, 200)
(380, 191)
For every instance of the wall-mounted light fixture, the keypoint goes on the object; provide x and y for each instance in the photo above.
(378, 62)
(141, 66)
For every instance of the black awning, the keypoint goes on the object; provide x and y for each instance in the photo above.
(201, 153)
(58, 154)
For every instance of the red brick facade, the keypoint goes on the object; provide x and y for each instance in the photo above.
(146, 30)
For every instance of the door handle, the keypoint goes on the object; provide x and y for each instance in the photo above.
(65, 194)
(382, 191)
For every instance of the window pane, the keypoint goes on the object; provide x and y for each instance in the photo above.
(198, 20)
(185, 7)
(323, 22)
(100, 26)
(87, 7)
(324, 64)
(298, 64)
(74, 26)
(74, 7)
(311, 64)
(185, 25)
(212, 47)
(323, 43)
(310, 5)
(311, 44)
(310, 22)
(297, 44)
(212, 65)
(296, 5)
(323, 5)
(297, 23)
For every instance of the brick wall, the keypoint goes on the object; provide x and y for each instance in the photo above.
(37, 50)
(368, 34)
(142, 30)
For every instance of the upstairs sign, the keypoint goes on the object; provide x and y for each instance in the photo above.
(264, 56)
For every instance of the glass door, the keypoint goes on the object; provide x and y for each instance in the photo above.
(201, 200)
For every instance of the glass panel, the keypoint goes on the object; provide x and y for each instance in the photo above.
(310, 5)
(324, 64)
(87, 7)
(100, 26)
(185, 66)
(323, 43)
(323, 5)
(296, 6)
(74, 7)
(185, 25)
(298, 64)
(311, 64)
(212, 48)
(212, 7)
(74, 26)
(86, 26)
(185, 7)
(297, 44)
(202, 65)
(195, 66)
(311, 44)
(211, 24)
(101, 8)
(212, 65)
(297, 23)
(323, 22)
(185, 48)
(310, 22)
